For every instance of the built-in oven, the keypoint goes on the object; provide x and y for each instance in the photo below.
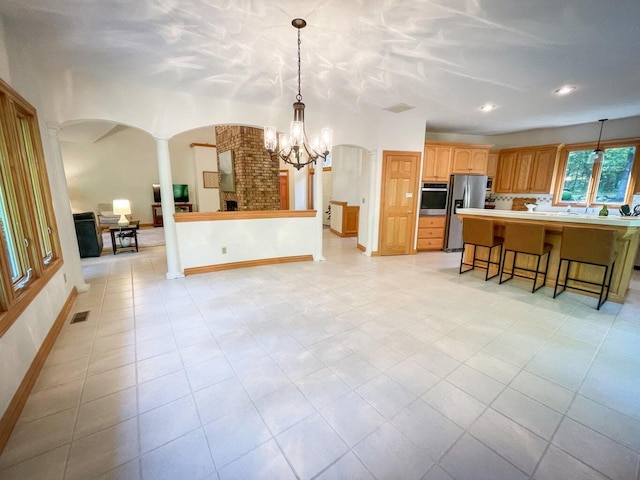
(433, 199)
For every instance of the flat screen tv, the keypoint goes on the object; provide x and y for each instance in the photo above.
(180, 193)
(156, 193)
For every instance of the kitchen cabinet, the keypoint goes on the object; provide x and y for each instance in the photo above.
(431, 233)
(436, 163)
(492, 164)
(525, 170)
(470, 161)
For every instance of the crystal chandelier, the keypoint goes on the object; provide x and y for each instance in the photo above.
(294, 148)
(598, 154)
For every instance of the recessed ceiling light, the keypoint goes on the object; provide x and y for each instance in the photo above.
(487, 107)
(565, 90)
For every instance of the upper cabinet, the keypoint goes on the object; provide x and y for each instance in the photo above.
(443, 159)
(492, 163)
(526, 170)
(437, 163)
(470, 160)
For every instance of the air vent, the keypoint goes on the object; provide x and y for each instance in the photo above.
(80, 317)
(399, 108)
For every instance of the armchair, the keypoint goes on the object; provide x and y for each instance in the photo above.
(88, 234)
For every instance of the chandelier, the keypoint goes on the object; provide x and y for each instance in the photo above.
(294, 148)
(598, 154)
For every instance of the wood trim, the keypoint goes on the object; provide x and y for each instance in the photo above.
(335, 231)
(248, 215)
(336, 202)
(13, 411)
(361, 247)
(202, 145)
(455, 144)
(247, 263)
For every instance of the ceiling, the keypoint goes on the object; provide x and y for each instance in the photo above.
(444, 57)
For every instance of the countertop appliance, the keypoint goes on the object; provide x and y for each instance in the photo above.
(465, 191)
(433, 198)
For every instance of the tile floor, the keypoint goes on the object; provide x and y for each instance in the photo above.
(352, 368)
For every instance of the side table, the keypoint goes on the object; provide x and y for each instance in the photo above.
(130, 231)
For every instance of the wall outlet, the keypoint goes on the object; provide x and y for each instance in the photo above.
(224, 249)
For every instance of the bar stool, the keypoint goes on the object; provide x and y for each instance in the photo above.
(479, 233)
(592, 246)
(527, 239)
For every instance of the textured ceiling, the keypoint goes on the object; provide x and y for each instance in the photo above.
(445, 57)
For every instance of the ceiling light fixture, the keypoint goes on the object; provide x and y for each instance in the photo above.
(598, 154)
(565, 90)
(295, 149)
(487, 107)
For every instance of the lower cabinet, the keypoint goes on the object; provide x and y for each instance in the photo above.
(431, 233)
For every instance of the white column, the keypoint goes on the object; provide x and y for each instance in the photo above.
(64, 216)
(375, 183)
(174, 270)
(317, 204)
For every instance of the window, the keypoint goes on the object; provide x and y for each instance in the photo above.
(612, 181)
(29, 245)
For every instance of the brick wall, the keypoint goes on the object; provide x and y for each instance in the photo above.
(257, 183)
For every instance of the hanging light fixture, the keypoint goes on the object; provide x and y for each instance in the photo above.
(598, 154)
(294, 148)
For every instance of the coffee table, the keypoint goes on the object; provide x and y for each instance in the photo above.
(130, 231)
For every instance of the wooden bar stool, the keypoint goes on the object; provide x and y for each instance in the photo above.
(527, 239)
(479, 233)
(591, 246)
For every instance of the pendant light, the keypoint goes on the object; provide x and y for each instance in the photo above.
(294, 148)
(598, 154)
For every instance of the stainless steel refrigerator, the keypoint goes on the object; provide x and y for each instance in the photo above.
(465, 191)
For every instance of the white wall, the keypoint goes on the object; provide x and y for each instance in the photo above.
(202, 243)
(206, 160)
(120, 165)
(347, 170)
(19, 345)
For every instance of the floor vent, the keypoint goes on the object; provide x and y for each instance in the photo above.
(80, 317)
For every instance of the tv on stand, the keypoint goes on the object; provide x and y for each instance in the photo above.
(180, 193)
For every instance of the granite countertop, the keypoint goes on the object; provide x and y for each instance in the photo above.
(613, 220)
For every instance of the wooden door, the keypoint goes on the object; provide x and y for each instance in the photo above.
(504, 173)
(284, 190)
(436, 163)
(522, 172)
(492, 164)
(461, 160)
(478, 161)
(542, 173)
(399, 202)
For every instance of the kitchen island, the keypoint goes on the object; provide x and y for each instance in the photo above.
(628, 229)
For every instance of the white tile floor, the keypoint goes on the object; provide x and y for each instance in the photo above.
(352, 368)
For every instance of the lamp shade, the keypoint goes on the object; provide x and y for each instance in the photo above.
(122, 207)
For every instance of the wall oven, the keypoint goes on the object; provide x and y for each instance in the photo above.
(433, 199)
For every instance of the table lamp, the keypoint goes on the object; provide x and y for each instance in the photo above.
(122, 207)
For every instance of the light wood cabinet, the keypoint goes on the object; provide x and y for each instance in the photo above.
(492, 164)
(436, 163)
(470, 161)
(431, 233)
(525, 170)
(543, 169)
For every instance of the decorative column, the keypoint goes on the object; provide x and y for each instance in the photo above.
(317, 203)
(66, 229)
(375, 184)
(174, 270)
